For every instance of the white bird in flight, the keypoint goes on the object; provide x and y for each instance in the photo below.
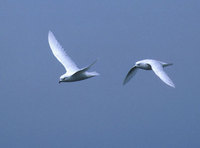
(73, 73)
(149, 64)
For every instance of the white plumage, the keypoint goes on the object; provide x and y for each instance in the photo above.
(73, 73)
(149, 64)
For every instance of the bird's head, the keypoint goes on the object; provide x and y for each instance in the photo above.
(137, 64)
(63, 78)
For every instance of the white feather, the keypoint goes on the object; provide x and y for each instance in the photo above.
(61, 55)
(130, 74)
(159, 71)
(149, 64)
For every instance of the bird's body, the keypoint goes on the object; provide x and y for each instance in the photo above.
(73, 73)
(78, 76)
(150, 64)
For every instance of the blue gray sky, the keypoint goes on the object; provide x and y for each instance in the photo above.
(36, 111)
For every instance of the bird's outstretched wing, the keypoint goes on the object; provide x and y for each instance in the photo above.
(159, 71)
(61, 55)
(130, 74)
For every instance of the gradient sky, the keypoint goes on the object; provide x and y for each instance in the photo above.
(37, 112)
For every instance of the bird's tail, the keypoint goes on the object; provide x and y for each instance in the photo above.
(167, 64)
(94, 73)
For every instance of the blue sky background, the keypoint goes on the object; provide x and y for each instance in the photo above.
(37, 112)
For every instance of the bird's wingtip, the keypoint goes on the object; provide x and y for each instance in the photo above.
(124, 82)
(50, 32)
(173, 86)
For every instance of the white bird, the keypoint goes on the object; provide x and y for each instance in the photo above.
(149, 64)
(73, 73)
